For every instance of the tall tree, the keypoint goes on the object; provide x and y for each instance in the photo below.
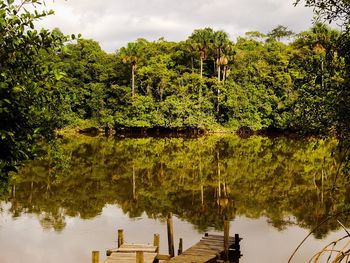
(279, 32)
(222, 46)
(200, 41)
(131, 54)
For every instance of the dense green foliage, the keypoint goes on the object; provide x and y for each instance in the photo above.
(201, 180)
(206, 81)
(339, 92)
(339, 12)
(28, 100)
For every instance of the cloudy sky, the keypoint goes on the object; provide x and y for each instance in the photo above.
(113, 23)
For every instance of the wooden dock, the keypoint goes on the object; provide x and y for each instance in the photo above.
(131, 253)
(210, 248)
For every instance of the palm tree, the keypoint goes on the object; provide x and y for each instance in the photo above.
(200, 41)
(221, 45)
(131, 54)
(323, 41)
(223, 50)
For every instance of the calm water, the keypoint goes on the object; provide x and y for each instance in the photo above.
(73, 200)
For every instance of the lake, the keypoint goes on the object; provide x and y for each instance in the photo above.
(273, 190)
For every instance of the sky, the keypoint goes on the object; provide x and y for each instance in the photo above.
(114, 23)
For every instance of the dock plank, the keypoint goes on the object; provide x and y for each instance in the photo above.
(206, 250)
(117, 257)
(126, 253)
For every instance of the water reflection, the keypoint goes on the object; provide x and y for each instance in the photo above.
(203, 180)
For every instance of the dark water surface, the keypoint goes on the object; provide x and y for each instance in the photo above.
(274, 191)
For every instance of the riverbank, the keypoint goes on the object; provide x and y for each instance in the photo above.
(93, 128)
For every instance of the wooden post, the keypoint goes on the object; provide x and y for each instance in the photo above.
(133, 183)
(120, 237)
(95, 256)
(237, 246)
(202, 195)
(156, 242)
(139, 257)
(226, 238)
(170, 235)
(179, 252)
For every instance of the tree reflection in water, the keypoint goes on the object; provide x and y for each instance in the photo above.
(201, 180)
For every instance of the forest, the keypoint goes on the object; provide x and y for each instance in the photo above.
(277, 80)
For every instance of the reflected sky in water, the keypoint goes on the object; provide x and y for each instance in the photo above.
(24, 240)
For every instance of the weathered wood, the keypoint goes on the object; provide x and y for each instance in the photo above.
(120, 237)
(95, 256)
(117, 257)
(132, 248)
(136, 248)
(236, 244)
(209, 249)
(215, 236)
(163, 257)
(179, 251)
(156, 242)
(128, 253)
(170, 231)
(123, 250)
(140, 257)
(226, 238)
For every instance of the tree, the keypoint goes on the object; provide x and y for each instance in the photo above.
(131, 54)
(331, 10)
(255, 35)
(320, 71)
(221, 46)
(200, 41)
(338, 11)
(25, 84)
(88, 71)
(279, 32)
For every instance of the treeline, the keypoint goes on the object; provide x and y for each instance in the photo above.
(206, 81)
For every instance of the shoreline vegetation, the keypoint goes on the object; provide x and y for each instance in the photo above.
(94, 129)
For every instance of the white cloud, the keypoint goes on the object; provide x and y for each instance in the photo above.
(113, 23)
